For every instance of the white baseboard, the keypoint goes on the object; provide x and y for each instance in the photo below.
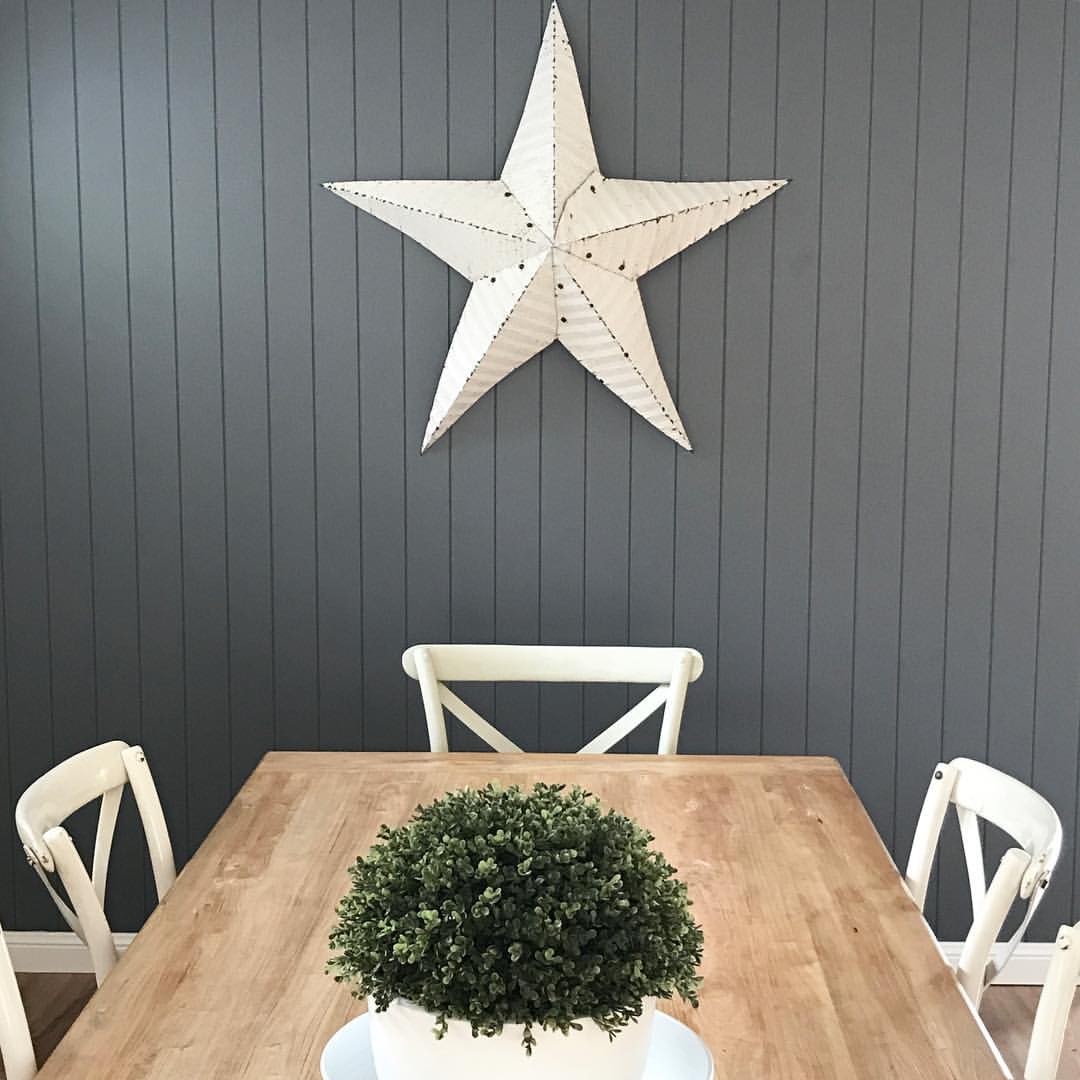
(1027, 966)
(42, 950)
(39, 950)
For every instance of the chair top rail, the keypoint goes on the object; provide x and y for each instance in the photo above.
(1010, 805)
(65, 788)
(554, 663)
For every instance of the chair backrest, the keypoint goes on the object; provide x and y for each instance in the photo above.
(101, 772)
(979, 791)
(435, 665)
(16, 1049)
(1055, 1001)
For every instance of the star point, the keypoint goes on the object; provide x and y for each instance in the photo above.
(554, 250)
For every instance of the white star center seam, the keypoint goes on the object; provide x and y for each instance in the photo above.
(554, 250)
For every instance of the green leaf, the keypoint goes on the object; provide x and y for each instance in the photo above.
(498, 906)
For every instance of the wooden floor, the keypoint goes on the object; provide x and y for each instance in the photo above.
(53, 1001)
(1009, 1011)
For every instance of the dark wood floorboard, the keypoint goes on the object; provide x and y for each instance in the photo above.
(52, 1002)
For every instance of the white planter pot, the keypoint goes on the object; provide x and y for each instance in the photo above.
(404, 1047)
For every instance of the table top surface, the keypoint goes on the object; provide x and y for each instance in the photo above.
(817, 962)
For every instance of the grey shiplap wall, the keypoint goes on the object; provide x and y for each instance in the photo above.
(217, 532)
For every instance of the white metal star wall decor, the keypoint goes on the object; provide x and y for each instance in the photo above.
(554, 249)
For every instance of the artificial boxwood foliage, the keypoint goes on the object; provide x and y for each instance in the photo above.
(500, 906)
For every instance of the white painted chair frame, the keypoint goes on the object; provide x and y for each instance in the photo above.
(16, 1048)
(100, 772)
(980, 791)
(1055, 1002)
(435, 665)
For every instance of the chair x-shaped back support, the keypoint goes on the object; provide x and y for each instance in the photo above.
(101, 772)
(979, 791)
(435, 665)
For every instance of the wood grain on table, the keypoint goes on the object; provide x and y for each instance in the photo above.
(817, 963)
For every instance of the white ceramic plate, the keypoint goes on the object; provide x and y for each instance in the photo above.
(676, 1053)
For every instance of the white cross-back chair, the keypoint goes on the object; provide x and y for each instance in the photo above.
(435, 665)
(1055, 1002)
(16, 1049)
(979, 791)
(101, 772)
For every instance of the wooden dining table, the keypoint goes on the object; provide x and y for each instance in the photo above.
(817, 962)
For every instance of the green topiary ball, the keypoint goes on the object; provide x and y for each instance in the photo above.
(501, 906)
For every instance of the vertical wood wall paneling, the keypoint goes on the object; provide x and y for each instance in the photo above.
(384, 440)
(63, 375)
(27, 653)
(27, 687)
(96, 45)
(980, 327)
(1057, 708)
(699, 393)
(336, 376)
(936, 268)
(839, 341)
(293, 508)
(199, 389)
(150, 182)
(752, 113)
(240, 122)
(657, 156)
(883, 406)
(517, 415)
(424, 31)
(612, 82)
(562, 489)
(217, 532)
(1025, 358)
(1022, 435)
(800, 86)
(471, 441)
